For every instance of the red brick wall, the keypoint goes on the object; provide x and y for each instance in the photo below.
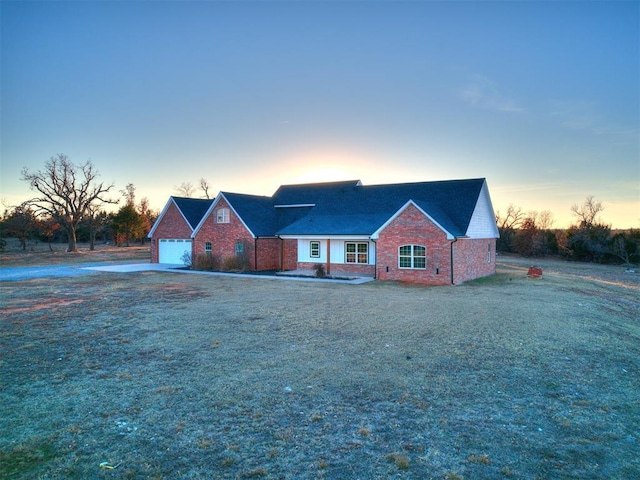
(290, 254)
(338, 268)
(412, 227)
(223, 236)
(268, 253)
(172, 225)
(470, 259)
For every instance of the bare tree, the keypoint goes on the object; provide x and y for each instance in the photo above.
(512, 219)
(587, 212)
(185, 189)
(589, 239)
(66, 192)
(129, 194)
(507, 226)
(545, 220)
(626, 246)
(204, 186)
(533, 236)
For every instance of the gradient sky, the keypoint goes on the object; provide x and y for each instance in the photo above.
(541, 98)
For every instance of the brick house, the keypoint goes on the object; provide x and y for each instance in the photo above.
(428, 232)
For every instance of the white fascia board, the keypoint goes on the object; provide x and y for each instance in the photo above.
(164, 210)
(376, 234)
(325, 237)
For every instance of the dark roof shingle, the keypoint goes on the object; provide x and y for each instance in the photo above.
(193, 209)
(344, 208)
(361, 210)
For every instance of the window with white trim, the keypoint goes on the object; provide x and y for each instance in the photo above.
(488, 253)
(356, 252)
(222, 215)
(207, 247)
(412, 256)
(314, 249)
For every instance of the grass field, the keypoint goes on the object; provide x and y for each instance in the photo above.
(169, 375)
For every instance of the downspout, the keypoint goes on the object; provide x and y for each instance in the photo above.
(255, 254)
(455, 239)
(375, 259)
(281, 254)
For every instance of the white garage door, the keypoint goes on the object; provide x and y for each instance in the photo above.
(172, 250)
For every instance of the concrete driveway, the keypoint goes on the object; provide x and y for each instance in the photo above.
(56, 271)
(9, 274)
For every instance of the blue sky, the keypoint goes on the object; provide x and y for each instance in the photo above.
(541, 98)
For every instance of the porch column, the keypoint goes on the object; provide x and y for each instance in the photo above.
(328, 257)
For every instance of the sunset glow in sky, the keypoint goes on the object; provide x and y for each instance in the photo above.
(541, 98)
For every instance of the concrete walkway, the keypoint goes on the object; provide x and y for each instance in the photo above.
(293, 275)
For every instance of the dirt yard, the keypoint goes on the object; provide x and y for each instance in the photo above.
(187, 376)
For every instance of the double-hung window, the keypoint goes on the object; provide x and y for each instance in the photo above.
(412, 256)
(207, 247)
(314, 249)
(222, 215)
(356, 252)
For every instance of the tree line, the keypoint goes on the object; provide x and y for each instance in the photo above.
(69, 206)
(588, 239)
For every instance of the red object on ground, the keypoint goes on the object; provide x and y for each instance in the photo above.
(534, 272)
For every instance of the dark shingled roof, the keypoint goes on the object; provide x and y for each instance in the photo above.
(256, 212)
(193, 208)
(361, 210)
(310, 193)
(344, 208)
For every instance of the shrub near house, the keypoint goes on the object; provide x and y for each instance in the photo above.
(426, 232)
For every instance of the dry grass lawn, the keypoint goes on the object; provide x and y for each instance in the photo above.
(38, 253)
(173, 375)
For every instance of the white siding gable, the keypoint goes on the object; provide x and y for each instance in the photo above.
(483, 220)
(304, 251)
(337, 252)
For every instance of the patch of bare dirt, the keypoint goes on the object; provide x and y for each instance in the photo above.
(48, 303)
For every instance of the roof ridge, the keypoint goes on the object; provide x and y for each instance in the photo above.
(318, 184)
(476, 179)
